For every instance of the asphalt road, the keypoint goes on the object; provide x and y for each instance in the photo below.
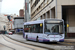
(56, 46)
(8, 44)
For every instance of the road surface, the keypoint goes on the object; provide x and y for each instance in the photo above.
(56, 46)
(8, 44)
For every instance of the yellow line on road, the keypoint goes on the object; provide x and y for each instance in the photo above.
(69, 43)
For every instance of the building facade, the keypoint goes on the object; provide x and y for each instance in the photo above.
(0, 5)
(18, 24)
(10, 23)
(59, 9)
(3, 22)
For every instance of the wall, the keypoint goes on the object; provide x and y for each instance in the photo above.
(71, 20)
(21, 13)
(60, 3)
(18, 23)
(40, 13)
(3, 21)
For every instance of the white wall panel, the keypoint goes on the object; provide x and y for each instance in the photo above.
(18, 23)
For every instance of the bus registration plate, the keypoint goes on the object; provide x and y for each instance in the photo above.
(54, 40)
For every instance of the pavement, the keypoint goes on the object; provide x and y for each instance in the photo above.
(70, 40)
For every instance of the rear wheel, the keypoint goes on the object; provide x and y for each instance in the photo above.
(26, 37)
(37, 39)
(55, 42)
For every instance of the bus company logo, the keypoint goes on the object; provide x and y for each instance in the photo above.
(54, 35)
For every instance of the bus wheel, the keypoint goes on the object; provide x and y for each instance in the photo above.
(37, 39)
(26, 37)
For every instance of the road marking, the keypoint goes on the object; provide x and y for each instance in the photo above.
(69, 43)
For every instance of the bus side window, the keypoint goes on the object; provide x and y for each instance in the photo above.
(25, 28)
(35, 28)
(39, 28)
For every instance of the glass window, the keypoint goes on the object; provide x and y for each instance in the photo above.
(34, 28)
(53, 28)
(27, 28)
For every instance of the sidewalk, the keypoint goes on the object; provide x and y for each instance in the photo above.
(70, 40)
(20, 38)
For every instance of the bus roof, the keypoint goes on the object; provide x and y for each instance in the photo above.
(34, 22)
(41, 21)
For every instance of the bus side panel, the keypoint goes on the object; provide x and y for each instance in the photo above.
(40, 37)
(28, 36)
(34, 36)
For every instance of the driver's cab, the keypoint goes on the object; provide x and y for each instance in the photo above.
(54, 30)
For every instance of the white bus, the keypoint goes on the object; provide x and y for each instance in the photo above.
(46, 30)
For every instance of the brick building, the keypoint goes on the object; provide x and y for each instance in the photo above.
(21, 13)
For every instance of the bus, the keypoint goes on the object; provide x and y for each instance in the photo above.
(46, 30)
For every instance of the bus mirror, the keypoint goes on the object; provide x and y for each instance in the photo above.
(40, 25)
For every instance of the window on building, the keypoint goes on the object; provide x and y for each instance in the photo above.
(41, 17)
(36, 2)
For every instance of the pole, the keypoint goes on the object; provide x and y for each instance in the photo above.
(25, 11)
(50, 14)
(46, 15)
(56, 9)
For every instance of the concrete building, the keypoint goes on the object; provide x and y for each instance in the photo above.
(18, 23)
(60, 9)
(10, 24)
(3, 22)
(0, 5)
(12, 21)
(21, 12)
